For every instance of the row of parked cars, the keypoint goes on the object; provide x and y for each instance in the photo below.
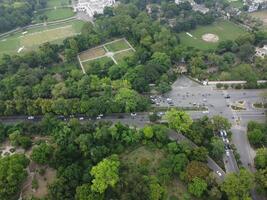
(225, 139)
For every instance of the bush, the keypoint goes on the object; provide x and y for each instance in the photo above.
(226, 86)
(219, 85)
(238, 86)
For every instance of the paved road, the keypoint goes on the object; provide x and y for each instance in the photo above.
(187, 93)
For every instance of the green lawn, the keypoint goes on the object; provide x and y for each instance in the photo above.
(236, 3)
(54, 3)
(117, 46)
(225, 30)
(54, 14)
(120, 56)
(37, 36)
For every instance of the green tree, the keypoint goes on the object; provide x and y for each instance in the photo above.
(127, 99)
(178, 120)
(257, 137)
(220, 123)
(237, 186)
(197, 187)
(261, 158)
(148, 132)
(105, 174)
(84, 192)
(12, 174)
(42, 153)
(217, 147)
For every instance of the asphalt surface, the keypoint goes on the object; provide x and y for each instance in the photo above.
(187, 93)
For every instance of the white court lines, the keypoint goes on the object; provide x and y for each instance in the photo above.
(108, 54)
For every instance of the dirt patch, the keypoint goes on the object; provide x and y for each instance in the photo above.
(209, 37)
(43, 181)
(92, 53)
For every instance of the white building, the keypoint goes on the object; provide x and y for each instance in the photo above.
(91, 7)
(261, 52)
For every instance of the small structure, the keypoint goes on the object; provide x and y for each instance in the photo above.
(91, 7)
(261, 52)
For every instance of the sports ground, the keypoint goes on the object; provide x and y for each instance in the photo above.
(53, 14)
(114, 51)
(222, 30)
(30, 39)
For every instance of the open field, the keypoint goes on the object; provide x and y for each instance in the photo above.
(54, 14)
(261, 15)
(41, 37)
(36, 36)
(117, 46)
(92, 53)
(236, 3)
(225, 30)
(55, 3)
(111, 52)
(120, 56)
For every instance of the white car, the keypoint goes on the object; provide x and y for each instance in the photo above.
(133, 114)
(81, 118)
(98, 117)
(227, 141)
(224, 133)
(219, 173)
(30, 118)
(205, 112)
(228, 153)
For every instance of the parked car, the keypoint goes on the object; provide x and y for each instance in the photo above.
(30, 117)
(219, 173)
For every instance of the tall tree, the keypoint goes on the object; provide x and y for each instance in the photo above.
(105, 174)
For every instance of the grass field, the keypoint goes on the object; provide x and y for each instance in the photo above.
(120, 56)
(236, 3)
(117, 46)
(261, 15)
(225, 30)
(36, 36)
(55, 3)
(54, 14)
(111, 52)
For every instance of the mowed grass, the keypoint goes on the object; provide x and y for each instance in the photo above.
(262, 16)
(40, 35)
(117, 46)
(54, 14)
(120, 56)
(236, 3)
(226, 30)
(55, 3)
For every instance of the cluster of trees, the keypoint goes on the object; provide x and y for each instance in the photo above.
(203, 132)
(90, 162)
(258, 138)
(12, 174)
(257, 134)
(18, 13)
